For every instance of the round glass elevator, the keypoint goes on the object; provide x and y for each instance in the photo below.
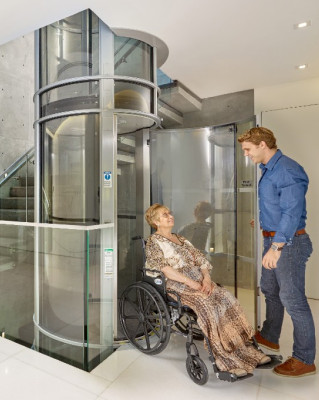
(93, 86)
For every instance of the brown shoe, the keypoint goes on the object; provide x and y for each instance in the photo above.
(293, 368)
(265, 343)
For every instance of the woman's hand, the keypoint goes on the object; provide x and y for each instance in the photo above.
(207, 285)
(193, 284)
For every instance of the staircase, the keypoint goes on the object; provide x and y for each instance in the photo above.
(19, 204)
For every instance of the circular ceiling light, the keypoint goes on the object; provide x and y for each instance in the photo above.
(303, 24)
(302, 66)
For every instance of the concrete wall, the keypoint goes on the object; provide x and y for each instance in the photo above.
(292, 111)
(16, 102)
(223, 109)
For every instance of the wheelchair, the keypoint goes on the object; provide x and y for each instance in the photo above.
(149, 313)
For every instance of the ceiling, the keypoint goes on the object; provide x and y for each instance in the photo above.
(215, 46)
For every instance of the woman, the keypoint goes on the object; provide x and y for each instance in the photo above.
(219, 314)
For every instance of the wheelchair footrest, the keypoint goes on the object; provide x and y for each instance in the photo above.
(275, 360)
(229, 377)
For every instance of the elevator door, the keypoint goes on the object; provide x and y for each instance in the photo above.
(196, 172)
(132, 199)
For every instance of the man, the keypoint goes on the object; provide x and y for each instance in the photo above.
(287, 247)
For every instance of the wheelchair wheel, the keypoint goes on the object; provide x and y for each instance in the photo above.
(145, 318)
(182, 327)
(197, 369)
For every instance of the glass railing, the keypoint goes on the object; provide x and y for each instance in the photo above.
(17, 190)
(56, 290)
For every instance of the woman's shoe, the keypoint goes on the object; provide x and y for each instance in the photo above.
(264, 360)
(239, 372)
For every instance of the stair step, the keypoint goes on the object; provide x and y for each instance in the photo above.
(16, 203)
(18, 191)
(16, 215)
(26, 180)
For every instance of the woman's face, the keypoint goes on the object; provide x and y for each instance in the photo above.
(165, 218)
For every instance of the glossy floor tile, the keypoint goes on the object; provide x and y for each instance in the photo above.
(129, 374)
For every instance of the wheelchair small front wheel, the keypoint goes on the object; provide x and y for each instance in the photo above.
(197, 369)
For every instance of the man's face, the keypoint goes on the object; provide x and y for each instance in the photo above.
(255, 152)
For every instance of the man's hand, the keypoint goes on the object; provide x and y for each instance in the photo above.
(271, 258)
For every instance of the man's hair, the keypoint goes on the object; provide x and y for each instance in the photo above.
(203, 210)
(257, 135)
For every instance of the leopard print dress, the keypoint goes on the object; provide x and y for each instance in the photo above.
(219, 315)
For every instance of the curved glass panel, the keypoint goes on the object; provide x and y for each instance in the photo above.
(70, 178)
(69, 48)
(77, 96)
(132, 58)
(129, 123)
(132, 96)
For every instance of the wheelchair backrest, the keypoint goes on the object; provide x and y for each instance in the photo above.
(152, 276)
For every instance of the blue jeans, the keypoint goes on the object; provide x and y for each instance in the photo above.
(284, 287)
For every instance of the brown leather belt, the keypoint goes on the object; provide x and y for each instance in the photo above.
(273, 233)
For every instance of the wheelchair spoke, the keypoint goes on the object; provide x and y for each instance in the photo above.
(136, 330)
(153, 329)
(132, 304)
(139, 300)
(131, 317)
(148, 305)
(147, 338)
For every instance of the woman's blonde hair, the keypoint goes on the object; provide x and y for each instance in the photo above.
(257, 135)
(151, 214)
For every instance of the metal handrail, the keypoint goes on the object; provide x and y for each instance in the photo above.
(8, 172)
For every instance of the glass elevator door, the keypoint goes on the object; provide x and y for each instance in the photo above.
(201, 175)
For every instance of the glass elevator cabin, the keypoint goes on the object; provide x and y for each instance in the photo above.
(94, 89)
(100, 162)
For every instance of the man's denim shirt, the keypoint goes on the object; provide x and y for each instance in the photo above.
(282, 202)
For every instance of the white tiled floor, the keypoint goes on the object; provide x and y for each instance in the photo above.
(128, 374)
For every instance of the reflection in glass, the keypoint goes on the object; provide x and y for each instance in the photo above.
(17, 190)
(75, 296)
(132, 58)
(187, 187)
(126, 210)
(69, 48)
(246, 234)
(70, 97)
(132, 96)
(70, 178)
(17, 283)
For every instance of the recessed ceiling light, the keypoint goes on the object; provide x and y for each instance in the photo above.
(302, 66)
(303, 24)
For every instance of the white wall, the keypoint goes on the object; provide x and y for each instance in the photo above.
(291, 111)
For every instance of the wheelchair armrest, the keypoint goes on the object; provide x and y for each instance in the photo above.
(178, 300)
(158, 281)
(144, 270)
